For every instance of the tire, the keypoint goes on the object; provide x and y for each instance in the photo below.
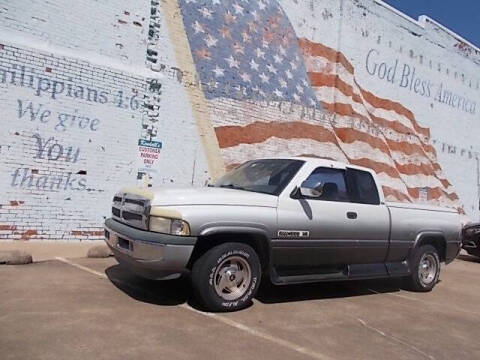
(425, 265)
(226, 277)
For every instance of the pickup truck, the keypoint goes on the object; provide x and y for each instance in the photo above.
(294, 220)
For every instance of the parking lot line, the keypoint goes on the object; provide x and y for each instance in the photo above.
(223, 319)
(81, 267)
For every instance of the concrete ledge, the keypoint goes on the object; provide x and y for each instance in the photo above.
(15, 257)
(43, 250)
(99, 251)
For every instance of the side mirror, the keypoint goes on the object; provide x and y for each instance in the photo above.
(311, 190)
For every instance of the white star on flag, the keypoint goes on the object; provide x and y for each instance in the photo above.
(264, 78)
(232, 62)
(245, 77)
(278, 93)
(206, 13)
(218, 71)
(260, 53)
(271, 69)
(253, 65)
(211, 41)
(238, 9)
(198, 27)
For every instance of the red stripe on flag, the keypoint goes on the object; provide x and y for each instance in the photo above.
(388, 191)
(258, 132)
(314, 49)
(397, 107)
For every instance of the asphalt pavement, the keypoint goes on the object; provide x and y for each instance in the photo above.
(80, 308)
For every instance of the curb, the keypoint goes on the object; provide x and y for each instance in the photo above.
(15, 257)
(99, 251)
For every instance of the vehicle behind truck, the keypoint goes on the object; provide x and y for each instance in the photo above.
(292, 220)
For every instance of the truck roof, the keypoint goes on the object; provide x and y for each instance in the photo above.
(322, 162)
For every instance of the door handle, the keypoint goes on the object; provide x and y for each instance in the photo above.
(351, 215)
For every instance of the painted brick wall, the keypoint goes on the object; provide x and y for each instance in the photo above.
(111, 28)
(98, 95)
(80, 85)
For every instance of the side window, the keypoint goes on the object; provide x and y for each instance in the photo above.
(362, 187)
(333, 182)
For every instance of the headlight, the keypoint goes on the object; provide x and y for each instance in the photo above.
(169, 226)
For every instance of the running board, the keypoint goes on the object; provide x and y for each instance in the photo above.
(306, 278)
(349, 272)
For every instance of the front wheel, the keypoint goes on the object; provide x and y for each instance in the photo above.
(226, 277)
(425, 267)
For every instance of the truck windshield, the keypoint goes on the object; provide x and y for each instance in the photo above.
(269, 176)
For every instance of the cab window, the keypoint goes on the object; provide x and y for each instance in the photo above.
(362, 187)
(332, 181)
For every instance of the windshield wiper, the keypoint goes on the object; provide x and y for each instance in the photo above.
(232, 186)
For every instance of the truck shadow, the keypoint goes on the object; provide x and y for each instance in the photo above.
(469, 258)
(165, 293)
(176, 292)
(270, 294)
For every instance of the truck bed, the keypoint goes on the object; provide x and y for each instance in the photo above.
(394, 204)
(409, 221)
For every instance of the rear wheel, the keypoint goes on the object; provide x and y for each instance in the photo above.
(425, 265)
(226, 277)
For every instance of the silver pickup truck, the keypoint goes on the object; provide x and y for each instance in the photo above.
(296, 219)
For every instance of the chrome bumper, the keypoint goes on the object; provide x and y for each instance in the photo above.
(150, 255)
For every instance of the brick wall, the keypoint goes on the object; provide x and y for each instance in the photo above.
(111, 28)
(98, 95)
(80, 85)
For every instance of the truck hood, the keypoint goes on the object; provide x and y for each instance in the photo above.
(203, 196)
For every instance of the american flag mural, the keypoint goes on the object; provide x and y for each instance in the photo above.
(272, 93)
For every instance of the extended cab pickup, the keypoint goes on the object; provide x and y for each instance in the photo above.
(296, 219)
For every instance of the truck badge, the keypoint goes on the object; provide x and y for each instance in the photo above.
(293, 233)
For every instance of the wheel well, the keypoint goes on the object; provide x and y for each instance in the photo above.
(437, 242)
(258, 242)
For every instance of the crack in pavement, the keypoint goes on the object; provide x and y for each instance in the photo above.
(395, 339)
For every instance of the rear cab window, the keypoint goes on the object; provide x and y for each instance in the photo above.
(362, 187)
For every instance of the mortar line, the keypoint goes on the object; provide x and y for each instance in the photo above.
(242, 327)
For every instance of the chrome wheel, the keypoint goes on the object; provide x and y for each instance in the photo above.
(232, 278)
(427, 269)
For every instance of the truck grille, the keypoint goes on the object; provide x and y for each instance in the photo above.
(131, 209)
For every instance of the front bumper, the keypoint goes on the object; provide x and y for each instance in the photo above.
(148, 254)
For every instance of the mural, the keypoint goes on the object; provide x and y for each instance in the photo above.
(176, 92)
(55, 123)
(83, 114)
(250, 60)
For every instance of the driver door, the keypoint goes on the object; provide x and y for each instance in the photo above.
(331, 229)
